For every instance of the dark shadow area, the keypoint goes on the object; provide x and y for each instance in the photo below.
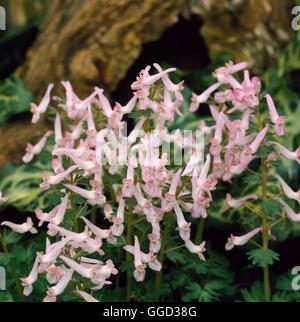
(13, 47)
(180, 46)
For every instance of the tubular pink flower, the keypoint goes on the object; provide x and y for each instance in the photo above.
(289, 211)
(223, 74)
(277, 120)
(58, 131)
(253, 147)
(76, 132)
(287, 189)
(202, 98)
(30, 279)
(128, 183)
(101, 233)
(236, 203)
(22, 228)
(215, 148)
(45, 216)
(171, 87)
(37, 110)
(56, 179)
(94, 197)
(118, 227)
(150, 259)
(170, 196)
(90, 121)
(59, 288)
(144, 80)
(77, 237)
(61, 210)
(55, 273)
(183, 225)
(196, 249)
(32, 150)
(128, 107)
(241, 240)
(79, 268)
(291, 155)
(86, 296)
(53, 251)
(139, 272)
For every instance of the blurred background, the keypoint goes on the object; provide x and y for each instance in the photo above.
(106, 43)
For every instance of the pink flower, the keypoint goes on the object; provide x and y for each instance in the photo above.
(192, 163)
(287, 189)
(128, 107)
(253, 147)
(59, 288)
(114, 117)
(86, 296)
(56, 179)
(170, 86)
(170, 196)
(290, 212)
(144, 203)
(215, 148)
(58, 131)
(183, 225)
(101, 233)
(77, 237)
(277, 120)
(118, 227)
(76, 132)
(30, 279)
(144, 80)
(240, 240)
(53, 251)
(37, 110)
(202, 98)
(55, 273)
(139, 272)
(291, 155)
(45, 216)
(61, 210)
(128, 182)
(236, 203)
(196, 249)
(22, 228)
(32, 150)
(224, 74)
(94, 197)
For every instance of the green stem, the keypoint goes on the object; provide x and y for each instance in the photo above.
(161, 256)
(266, 273)
(128, 256)
(12, 268)
(200, 231)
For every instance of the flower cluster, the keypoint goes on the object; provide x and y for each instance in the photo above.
(145, 185)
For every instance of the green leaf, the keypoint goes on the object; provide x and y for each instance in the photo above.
(262, 257)
(14, 98)
(255, 294)
(271, 207)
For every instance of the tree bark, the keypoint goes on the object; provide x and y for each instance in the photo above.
(94, 42)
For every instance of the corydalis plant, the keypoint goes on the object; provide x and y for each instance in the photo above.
(84, 161)
(102, 204)
(241, 133)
